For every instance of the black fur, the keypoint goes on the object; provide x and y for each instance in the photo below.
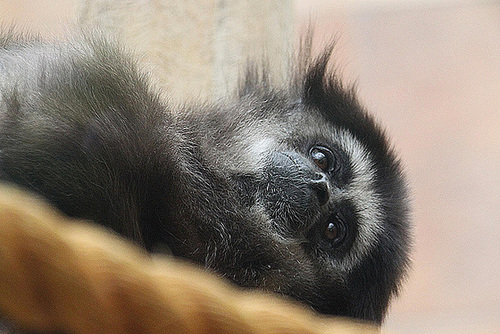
(230, 185)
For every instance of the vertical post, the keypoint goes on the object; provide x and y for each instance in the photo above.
(197, 48)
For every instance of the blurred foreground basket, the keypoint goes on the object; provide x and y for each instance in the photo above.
(60, 274)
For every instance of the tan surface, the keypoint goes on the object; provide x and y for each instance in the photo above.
(196, 49)
(63, 275)
(49, 18)
(199, 60)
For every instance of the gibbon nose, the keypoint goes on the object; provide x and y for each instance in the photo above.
(320, 186)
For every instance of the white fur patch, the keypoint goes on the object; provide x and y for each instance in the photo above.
(361, 192)
(259, 147)
(252, 148)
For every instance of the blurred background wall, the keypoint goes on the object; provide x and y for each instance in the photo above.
(430, 71)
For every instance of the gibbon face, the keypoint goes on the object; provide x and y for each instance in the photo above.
(293, 189)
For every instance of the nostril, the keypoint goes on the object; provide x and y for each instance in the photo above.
(320, 187)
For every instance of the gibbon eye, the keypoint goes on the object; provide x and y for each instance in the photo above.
(322, 157)
(335, 233)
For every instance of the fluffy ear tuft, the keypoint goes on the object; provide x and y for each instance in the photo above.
(309, 78)
(256, 79)
(314, 76)
(317, 81)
